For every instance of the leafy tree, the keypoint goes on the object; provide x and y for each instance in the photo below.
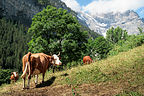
(114, 35)
(98, 47)
(54, 30)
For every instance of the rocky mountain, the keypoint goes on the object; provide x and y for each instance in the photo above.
(100, 23)
(23, 10)
(143, 19)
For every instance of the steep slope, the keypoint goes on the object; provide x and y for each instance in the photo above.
(23, 10)
(100, 23)
(121, 74)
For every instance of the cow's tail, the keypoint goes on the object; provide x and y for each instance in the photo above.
(27, 66)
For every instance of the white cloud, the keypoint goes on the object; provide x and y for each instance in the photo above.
(73, 4)
(104, 6)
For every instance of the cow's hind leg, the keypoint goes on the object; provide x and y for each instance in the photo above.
(29, 77)
(36, 80)
(24, 83)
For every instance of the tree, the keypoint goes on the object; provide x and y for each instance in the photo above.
(99, 46)
(54, 30)
(13, 44)
(114, 35)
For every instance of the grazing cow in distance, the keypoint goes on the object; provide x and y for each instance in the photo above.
(14, 76)
(37, 63)
(87, 60)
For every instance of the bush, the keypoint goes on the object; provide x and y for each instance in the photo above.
(123, 46)
(5, 76)
(99, 46)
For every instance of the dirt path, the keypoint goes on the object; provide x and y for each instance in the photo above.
(65, 90)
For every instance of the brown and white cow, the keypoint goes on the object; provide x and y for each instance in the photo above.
(87, 60)
(37, 63)
(14, 76)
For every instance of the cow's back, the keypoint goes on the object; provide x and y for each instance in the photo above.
(87, 59)
(39, 61)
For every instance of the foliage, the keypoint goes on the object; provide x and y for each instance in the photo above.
(5, 76)
(131, 42)
(99, 46)
(140, 30)
(114, 35)
(55, 30)
(13, 45)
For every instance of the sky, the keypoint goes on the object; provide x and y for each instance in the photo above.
(94, 7)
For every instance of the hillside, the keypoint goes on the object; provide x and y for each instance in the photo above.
(120, 75)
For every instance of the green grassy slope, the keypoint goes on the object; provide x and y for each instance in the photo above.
(122, 74)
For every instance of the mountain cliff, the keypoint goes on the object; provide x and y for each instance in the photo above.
(23, 10)
(100, 23)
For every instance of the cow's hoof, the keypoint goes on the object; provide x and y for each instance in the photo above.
(36, 85)
(24, 88)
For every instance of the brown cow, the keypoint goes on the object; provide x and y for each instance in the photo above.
(87, 60)
(34, 64)
(14, 76)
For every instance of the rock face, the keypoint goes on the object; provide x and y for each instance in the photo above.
(19, 10)
(100, 23)
(24, 10)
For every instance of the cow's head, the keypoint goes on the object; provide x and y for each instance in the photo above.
(56, 59)
(14, 76)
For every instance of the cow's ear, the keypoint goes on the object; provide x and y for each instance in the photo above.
(59, 58)
(11, 73)
(16, 72)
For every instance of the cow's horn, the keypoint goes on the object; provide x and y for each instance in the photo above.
(50, 53)
(59, 54)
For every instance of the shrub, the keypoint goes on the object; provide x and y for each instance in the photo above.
(99, 46)
(131, 42)
(5, 76)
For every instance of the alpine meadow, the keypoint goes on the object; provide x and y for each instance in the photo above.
(33, 32)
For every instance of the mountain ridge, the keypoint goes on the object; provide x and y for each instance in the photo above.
(23, 11)
(128, 20)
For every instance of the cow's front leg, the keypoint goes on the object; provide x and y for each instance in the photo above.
(43, 77)
(36, 80)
